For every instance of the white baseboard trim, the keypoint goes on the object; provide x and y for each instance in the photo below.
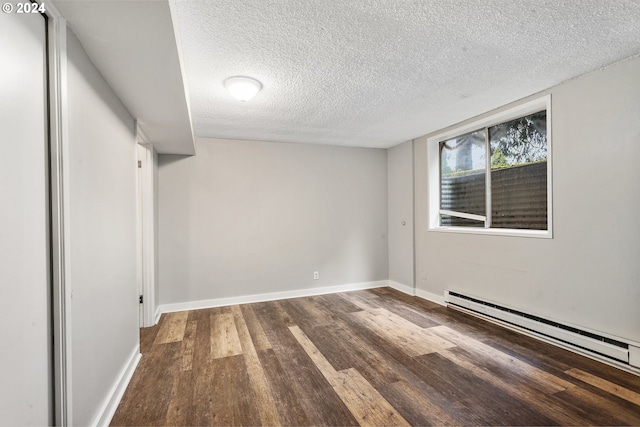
(417, 292)
(158, 314)
(273, 296)
(117, 390)
(431, 297)
(409, 290)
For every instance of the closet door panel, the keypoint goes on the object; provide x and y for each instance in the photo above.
(25, 367)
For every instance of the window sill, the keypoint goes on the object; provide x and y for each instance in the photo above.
(537, 234)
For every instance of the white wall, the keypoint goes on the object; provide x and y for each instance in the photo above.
(588, 274)
(25, 372)
(243, 218)
(102, 242)
(400, 187)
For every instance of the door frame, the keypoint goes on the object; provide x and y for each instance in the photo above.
(146, 227)
(141, 154)
(59, 222)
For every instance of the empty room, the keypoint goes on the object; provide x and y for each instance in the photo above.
(373, 213)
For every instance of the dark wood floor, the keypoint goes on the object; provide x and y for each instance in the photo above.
(375, 357)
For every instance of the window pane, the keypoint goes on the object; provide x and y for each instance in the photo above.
(462, 177)
(452, 221)
(519, 173)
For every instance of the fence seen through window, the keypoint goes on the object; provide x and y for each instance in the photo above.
(496, 177)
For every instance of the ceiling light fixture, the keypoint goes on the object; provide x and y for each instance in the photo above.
(242, 88)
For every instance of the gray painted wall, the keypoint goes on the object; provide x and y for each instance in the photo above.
(102, 244)
(400, 185)
(246, 217)
(588, 274)
(25, 384)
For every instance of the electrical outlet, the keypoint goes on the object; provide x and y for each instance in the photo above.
(316, 275)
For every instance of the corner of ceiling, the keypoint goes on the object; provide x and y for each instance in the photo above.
(185, 88)
(129, 42)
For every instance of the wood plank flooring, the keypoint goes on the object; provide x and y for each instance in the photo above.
(370, 358)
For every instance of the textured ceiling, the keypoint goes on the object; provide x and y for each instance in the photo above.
(377, 73)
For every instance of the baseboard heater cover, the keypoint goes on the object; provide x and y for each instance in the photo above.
(585, 340)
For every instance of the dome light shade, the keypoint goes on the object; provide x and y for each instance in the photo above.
(242, 88)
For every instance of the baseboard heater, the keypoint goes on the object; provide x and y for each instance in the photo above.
(585, 340)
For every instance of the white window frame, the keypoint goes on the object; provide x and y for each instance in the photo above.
(433, 164)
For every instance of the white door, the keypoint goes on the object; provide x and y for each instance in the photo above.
(25, 327)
